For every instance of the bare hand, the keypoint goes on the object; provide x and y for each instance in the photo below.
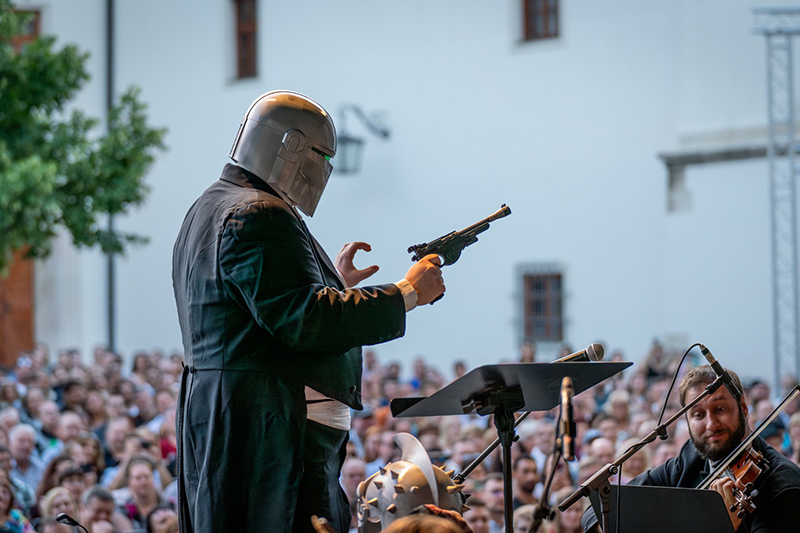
(344, 264)
(102, 527)
(426, 278)
(725, 487)
(132, 446)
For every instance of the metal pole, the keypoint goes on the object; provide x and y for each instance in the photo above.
(110, 265)
(795, 329)
(773, 232)
(779, 25)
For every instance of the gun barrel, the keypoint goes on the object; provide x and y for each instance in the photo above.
(504, 211)
(483, 225)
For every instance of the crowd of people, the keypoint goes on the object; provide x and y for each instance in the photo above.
(93, 441)
(97, 441)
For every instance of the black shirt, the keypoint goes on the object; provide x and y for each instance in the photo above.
(777, 502)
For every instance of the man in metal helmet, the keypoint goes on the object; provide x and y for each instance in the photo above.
(272, 332)
(288, 140)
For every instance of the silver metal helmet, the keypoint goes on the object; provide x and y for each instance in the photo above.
(399, 487)
(287, 140)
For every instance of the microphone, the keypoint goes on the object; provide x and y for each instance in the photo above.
(66, 519)
(594, 352)
(567, 423)
(721, 373)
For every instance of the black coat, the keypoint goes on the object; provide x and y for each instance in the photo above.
(262, 313)
(777, 503)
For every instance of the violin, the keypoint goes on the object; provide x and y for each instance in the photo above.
(744, 473)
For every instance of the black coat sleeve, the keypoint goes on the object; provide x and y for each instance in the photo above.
(268, 265)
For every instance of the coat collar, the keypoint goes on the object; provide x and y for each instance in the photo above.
(244, 178)
(241, 177)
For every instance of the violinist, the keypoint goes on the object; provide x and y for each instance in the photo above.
(717, 425)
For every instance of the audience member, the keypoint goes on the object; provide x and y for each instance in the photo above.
(143, 496)
(70, 424)
(96, 409)
(58, 500)
(636, 464)
(90, 457)
(9, 417)
(523, 515)
(73, 397)
(162, 519)
(11, 519)
(52, 472)
(97, 512)
(33, 399)
(113, 439)
(492, 494)
(478, 516)
(47, 417)
(73, 479)
(793, 449)
(525, 478)
(568, 521)
(22, 443)
(420, 523)
(386, 452)
(24, 494)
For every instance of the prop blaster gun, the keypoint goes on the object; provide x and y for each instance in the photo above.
(449, 246)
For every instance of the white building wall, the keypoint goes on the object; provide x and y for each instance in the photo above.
(566, 132)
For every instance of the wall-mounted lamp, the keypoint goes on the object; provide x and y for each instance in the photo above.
(350, 148)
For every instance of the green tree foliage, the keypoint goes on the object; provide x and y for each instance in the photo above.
(55, 170)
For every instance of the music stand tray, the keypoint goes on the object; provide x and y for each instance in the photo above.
(665, 510)
(536, 386)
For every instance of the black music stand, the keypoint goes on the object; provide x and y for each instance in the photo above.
(643, 508)
(502, 390)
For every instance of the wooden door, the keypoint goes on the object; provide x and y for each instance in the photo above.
(16, 310)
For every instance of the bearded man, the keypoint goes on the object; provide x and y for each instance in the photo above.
(717, 425)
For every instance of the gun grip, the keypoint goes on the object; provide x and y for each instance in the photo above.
(437, 299)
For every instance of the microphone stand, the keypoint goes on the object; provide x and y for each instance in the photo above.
(600, 480)
(459, 479)
(64, 518)
(543, 510)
